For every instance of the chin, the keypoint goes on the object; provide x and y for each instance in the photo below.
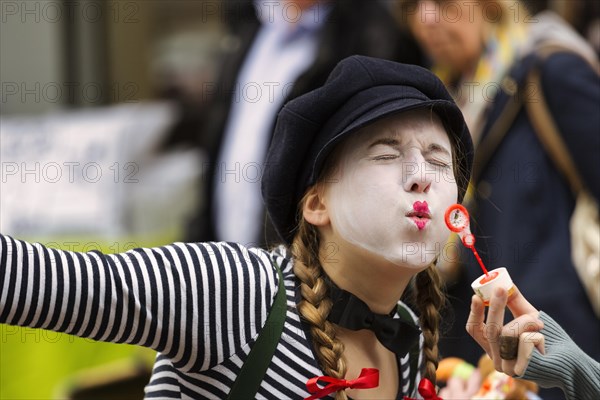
(417, 264)
(410, 256)
(411, 253)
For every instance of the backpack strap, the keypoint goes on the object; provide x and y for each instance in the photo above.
(544, 124)
(518, 98)
(253, 371)
(548, 134)
(488, 144)
(413, 353)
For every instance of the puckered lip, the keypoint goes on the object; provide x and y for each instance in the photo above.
(418, 214)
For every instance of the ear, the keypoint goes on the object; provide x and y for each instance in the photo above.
(314, 209)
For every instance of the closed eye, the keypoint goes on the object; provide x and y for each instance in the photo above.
(384, 157)
(439, 163)
(385, 149)
(438, 156)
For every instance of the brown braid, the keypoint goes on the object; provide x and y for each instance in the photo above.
(315, 304)
(429, 299)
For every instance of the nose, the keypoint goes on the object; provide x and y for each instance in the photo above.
(416, 177)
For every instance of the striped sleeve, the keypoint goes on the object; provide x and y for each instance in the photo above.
(197, 304)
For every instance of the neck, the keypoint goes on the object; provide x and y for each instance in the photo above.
(379, 286)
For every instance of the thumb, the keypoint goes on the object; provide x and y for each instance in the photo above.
(518, 304)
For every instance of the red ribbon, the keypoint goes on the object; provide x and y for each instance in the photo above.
(426, 390)
(368, 379)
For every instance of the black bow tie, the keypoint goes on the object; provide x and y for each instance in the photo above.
(350, 312)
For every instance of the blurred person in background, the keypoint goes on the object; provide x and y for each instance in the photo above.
(519, 201)
(273, 51)
(583, 15)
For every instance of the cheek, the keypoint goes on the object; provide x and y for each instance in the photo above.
(354, 200)
(447, 195)
(351, 193)
(472, 47)
(468, 40)
(447, 191)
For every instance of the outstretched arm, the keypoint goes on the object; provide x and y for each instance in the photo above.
(195, 303)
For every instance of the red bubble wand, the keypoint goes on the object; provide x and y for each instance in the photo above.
(457, 220)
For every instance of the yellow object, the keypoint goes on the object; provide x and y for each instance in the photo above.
(450, 366)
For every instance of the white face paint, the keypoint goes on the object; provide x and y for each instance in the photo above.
(393, 183)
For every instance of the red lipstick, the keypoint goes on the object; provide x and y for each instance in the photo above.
(420, 214)
(421, 207)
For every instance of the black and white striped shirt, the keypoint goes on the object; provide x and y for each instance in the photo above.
(200, 306)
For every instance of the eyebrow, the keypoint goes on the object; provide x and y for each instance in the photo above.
(432, 148)
(386, 141)
(436, 148)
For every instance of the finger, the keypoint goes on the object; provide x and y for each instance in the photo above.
(509, 352)
(509, 347)
(510, 341)
(475, 325)
(518, 304)
(508, 367)
(524, 323)
(494, 324)
(527, 341)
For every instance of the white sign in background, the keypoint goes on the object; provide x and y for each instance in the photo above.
(92, 172)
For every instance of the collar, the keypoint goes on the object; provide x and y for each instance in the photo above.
(348, 311)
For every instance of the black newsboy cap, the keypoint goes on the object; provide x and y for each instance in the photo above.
(359, 91)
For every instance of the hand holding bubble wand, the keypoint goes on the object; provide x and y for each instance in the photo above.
(457, 220)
